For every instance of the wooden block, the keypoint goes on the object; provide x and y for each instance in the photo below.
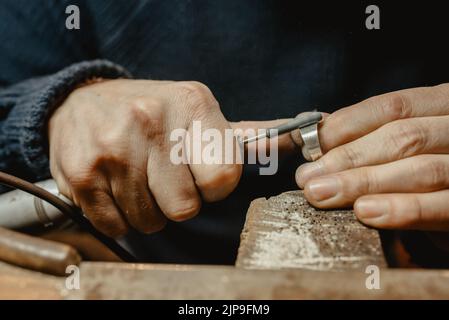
(286, 232)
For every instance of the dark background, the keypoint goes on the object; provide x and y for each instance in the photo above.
(261, 59)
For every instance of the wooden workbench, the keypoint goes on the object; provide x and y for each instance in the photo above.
(146, 281)
(288, 251)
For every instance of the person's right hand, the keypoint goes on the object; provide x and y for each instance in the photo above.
(110, 153)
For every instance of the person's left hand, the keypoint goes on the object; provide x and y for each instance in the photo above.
(389, 157)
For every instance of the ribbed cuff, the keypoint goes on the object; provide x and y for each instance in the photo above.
(26, 126)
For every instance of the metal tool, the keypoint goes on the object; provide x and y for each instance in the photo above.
(307, 123)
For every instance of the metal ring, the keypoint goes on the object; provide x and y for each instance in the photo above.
(311, 148)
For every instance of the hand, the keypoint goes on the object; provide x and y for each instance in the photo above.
(389, 156)
(110, 153)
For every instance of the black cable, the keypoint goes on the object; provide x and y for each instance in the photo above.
(73, 213)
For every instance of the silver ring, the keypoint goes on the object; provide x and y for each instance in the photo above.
(311, 148)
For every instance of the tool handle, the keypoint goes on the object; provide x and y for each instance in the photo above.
(36, 253)
(302, 120)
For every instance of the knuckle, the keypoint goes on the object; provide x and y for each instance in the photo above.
(145, 108)
(81, 180)
(109, 140)
(356, 183)
(368, 182)
(437, 173)
(90, 178)
(393, 106)
(418, 212)
(108, 164)
(181, 210)
(196, 94)
(406, 138)
(347, 156)
(148, 113)
(193, 87)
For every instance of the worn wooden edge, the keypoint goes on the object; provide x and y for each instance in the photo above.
(284, 231)
(149, 281)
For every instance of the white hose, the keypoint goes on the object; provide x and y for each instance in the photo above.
(19, 209)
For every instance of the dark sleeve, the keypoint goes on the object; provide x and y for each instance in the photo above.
(41, 62)
(24, 111)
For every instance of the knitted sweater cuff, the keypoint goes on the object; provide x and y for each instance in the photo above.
(37, 98)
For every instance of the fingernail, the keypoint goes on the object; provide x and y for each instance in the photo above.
(323, 188)
(308, 171)
(371, 208)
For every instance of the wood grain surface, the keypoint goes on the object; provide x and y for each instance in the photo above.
(106, 280)
(286, 232)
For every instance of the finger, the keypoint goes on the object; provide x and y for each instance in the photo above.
(419, 211)
(423, 173)
(101, 210)
(393, 141)
(217, 172)
(133, 197)
(352, 122)
(215, 164)
(172, 186)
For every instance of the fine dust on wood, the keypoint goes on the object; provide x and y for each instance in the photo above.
(286, 232)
